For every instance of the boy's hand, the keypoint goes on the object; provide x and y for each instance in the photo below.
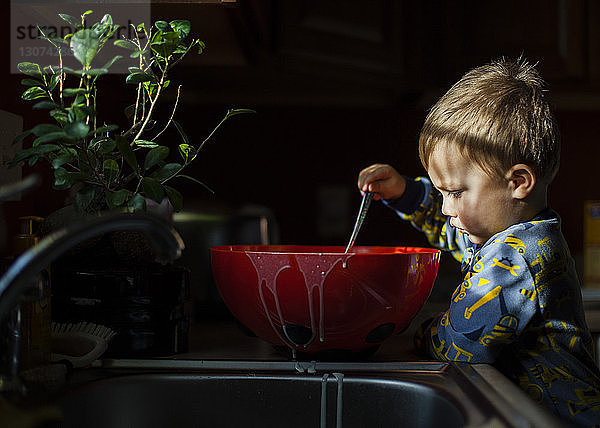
(382, 180)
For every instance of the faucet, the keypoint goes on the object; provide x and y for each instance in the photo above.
(20, 276)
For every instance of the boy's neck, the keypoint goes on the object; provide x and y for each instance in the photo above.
(533, 204)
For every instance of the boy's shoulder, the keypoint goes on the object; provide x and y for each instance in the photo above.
(540, 250)
(539, 243)
(543, 228)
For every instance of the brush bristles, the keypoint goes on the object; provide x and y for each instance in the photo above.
(97, 330)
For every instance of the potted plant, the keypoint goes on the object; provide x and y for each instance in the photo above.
(106, 166)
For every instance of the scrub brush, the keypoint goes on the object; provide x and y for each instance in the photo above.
(79, 343)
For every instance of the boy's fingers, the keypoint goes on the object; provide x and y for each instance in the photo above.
(370, 175)
(374, 187)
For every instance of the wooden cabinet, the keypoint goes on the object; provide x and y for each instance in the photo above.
(390, 52)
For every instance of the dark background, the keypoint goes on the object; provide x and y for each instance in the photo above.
(338, 85)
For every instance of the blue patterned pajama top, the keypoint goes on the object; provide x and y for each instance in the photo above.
(519, 307)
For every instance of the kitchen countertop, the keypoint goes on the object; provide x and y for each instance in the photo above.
(224, 340)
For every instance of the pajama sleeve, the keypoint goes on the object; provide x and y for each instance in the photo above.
(421, 205)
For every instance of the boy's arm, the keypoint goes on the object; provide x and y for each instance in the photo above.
(487, 311)
(421, 204)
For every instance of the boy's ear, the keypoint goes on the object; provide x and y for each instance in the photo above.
(522, 180)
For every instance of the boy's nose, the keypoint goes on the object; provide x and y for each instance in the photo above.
(447, 208)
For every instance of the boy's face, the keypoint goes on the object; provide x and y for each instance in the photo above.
(478, 204)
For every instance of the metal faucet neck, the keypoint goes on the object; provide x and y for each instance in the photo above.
(166, 243)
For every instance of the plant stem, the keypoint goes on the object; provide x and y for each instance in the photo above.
(188, 161)
(151, 108)
(172, 114)
(211, 134)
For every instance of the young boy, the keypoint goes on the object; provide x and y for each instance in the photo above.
(491, 148)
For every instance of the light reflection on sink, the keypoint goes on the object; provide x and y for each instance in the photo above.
(275, 394)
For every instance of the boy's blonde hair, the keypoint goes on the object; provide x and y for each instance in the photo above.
(497, 115)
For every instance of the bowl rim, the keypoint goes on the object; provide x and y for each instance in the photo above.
(321, 250)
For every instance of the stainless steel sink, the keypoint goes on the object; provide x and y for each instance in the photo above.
(175, 393)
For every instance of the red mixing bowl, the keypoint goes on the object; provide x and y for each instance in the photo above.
(313, 299)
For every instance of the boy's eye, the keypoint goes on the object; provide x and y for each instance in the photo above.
(455, 193)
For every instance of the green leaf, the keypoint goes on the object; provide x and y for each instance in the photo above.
(44, 104)
(137, 54)
(126, 44)
(49, 34)
(63, 179)
(136, 78)
(21, 137)
(75, 22)
(153, 189)
(154, 156)
(175, 197)
(70, 92)
(168, 39)
(110, 168)
(182, 26)
(116, 199)
(96, 71)
(19, 157)
(54, 81)
(45, 128)
(162, 26)
(50, 70)
(87, 110)
(112, 61)
(69, 70)
(30, 68)
(167, 171)
(32, 153)
(151, 88)
(184, 151)
(44, 149)
(179, 128)
(60, 116)
(31, 82)
(84, 197)
(236, 111)
(51, 136)
(137, 203)
(64, 156)
(34, 93)
(84, 45)
(107, 22)
(91, 165)
(145, 144)
(125, 150)
(165, 48)
(107, 145)
(79, 101)
(195, 180)
(201, 46)
(77, 130)
(181, 49)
